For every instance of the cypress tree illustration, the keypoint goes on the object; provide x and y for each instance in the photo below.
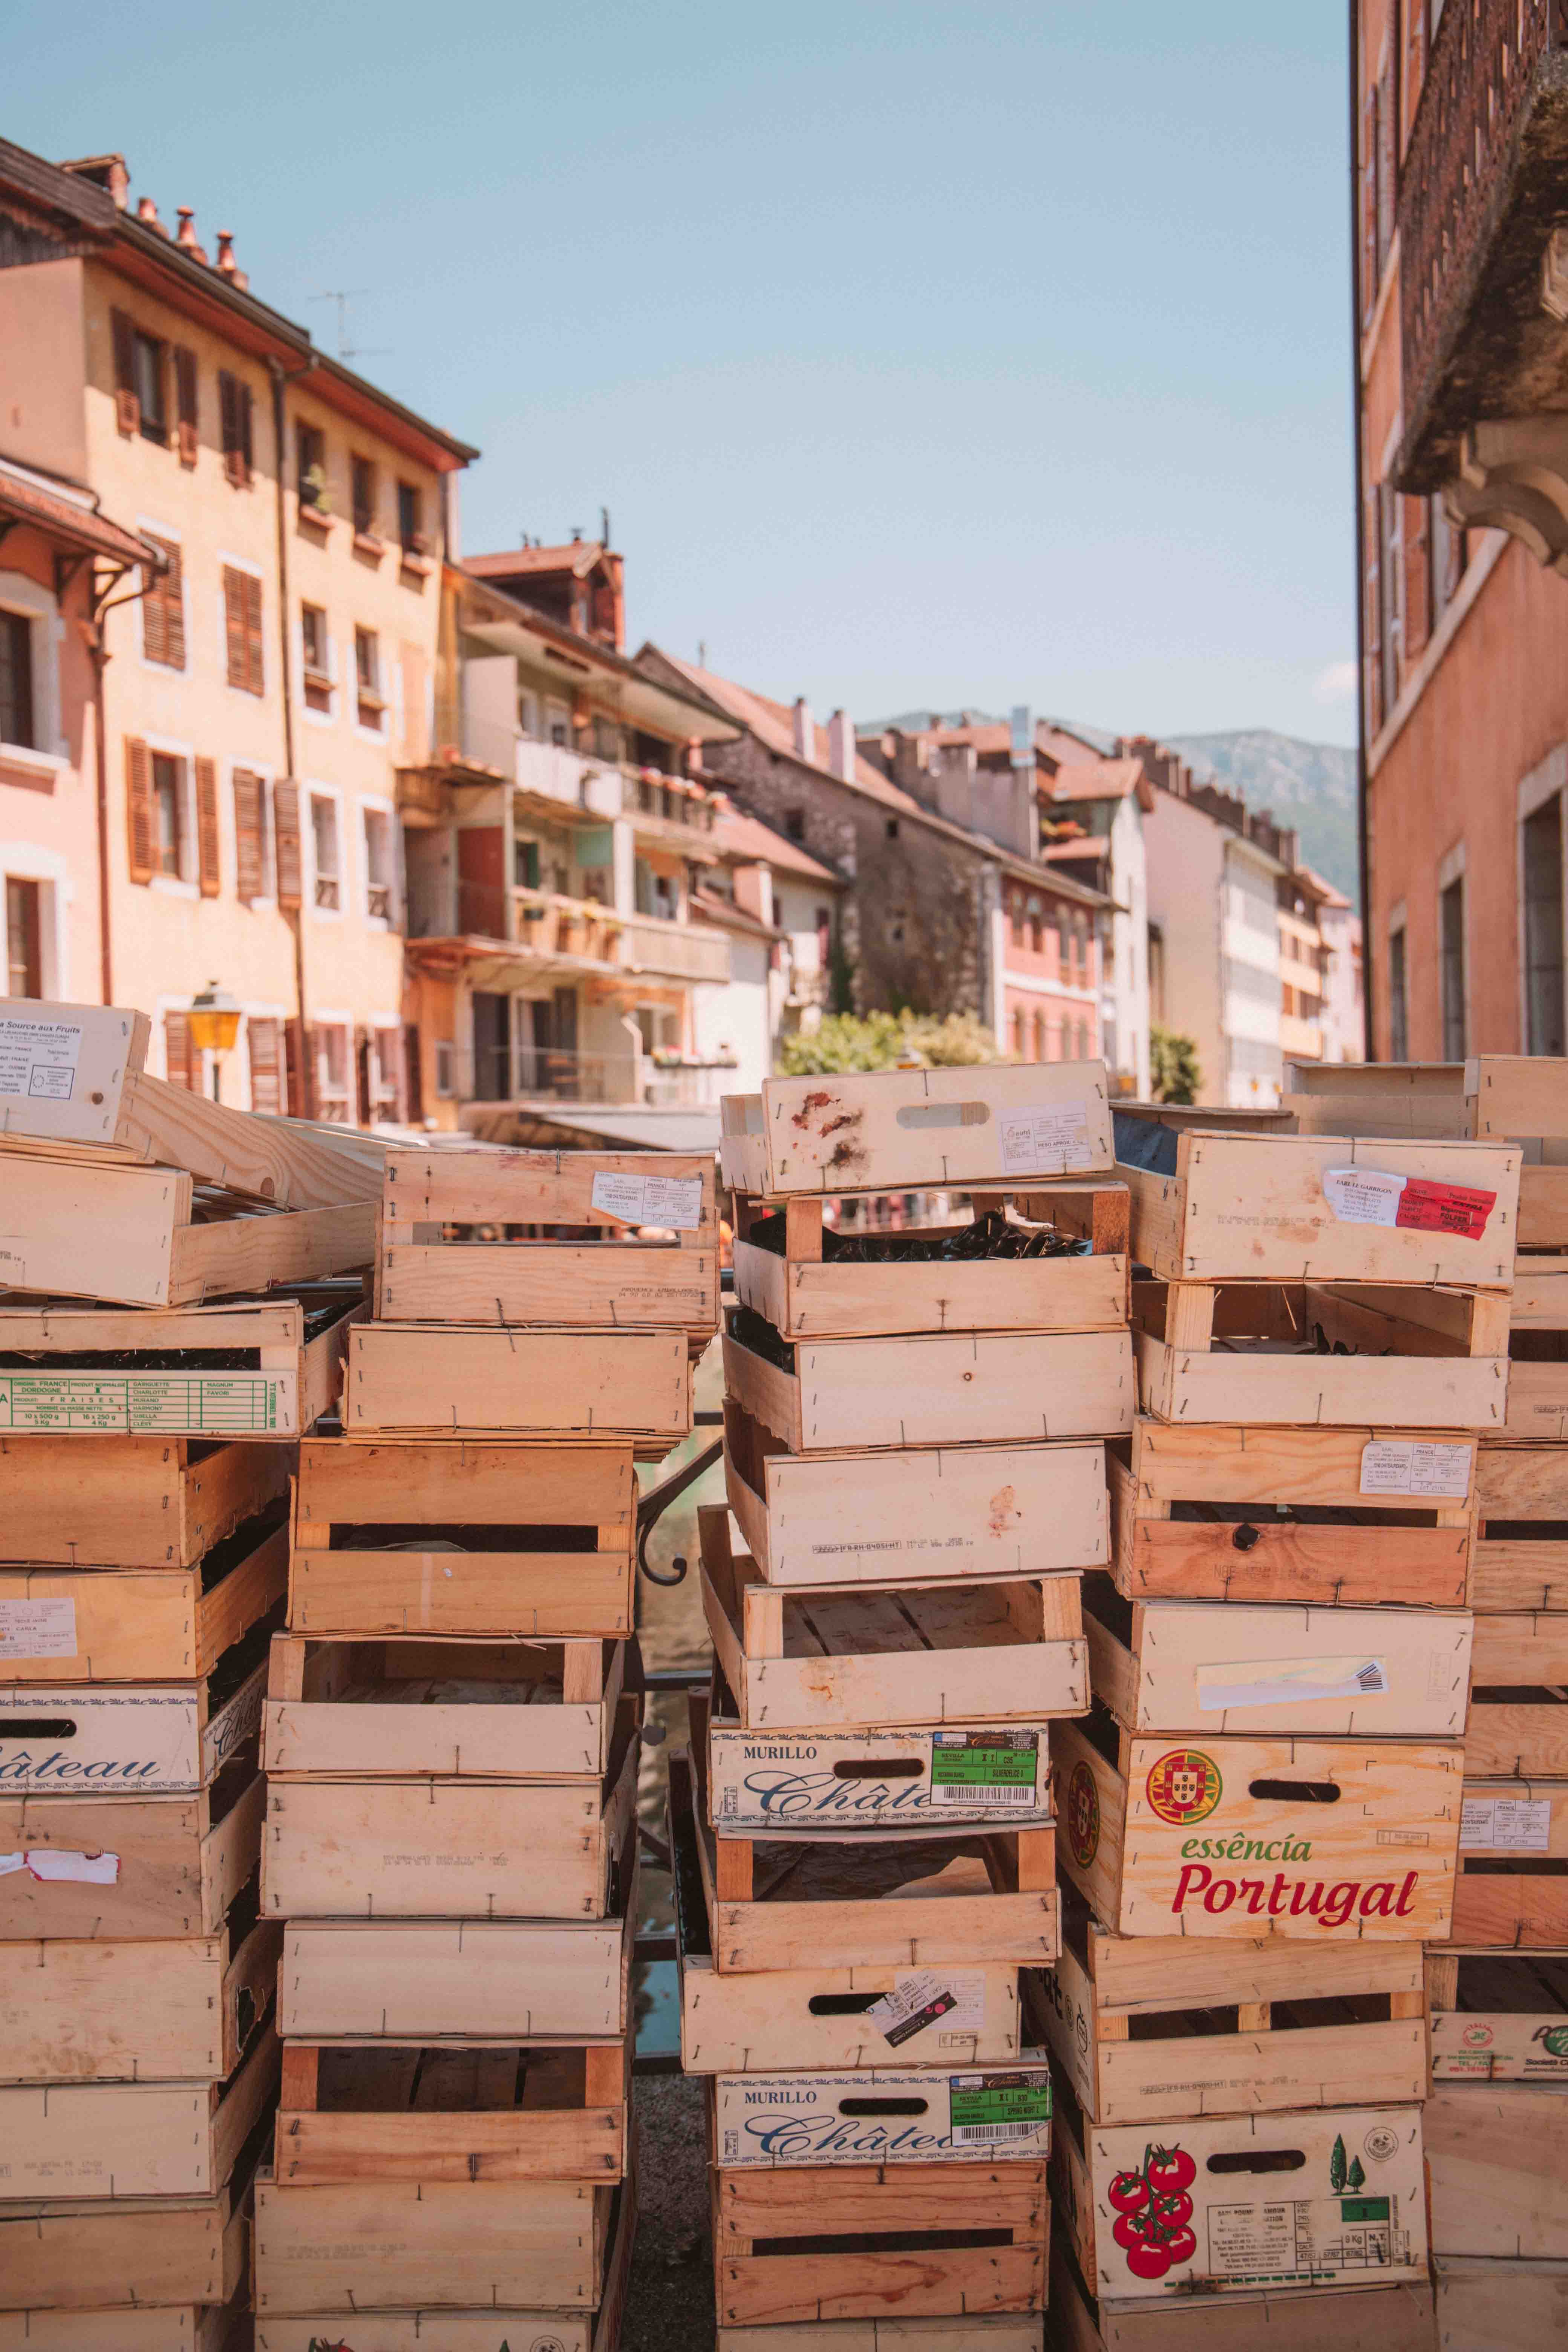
(1337, 2168)
(1355, 2177)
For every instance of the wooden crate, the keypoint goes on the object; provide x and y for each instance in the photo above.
(782, 1274)
(434, 2245)
(983, 2332)
(435, 1381)
(185, 2327)
(1236, 1666)
(134, 2139)
(89, 2256)
(460, 1710)
(1350, 1517)
(780, 1783)
(1498, 2306)
(63, 1624)
(1521, 1557)
(471, 1981)
(130, 1502)
(1252, 1351)
(1150, 2029)
(901, 1131)
(1318, 1208)
(251, 1368)
(1301, 2319)
(124, 1868)
(773, 2119)
(845, 1655)
(858, 1902)
(449, 1849)
(951, 1511)
(140, 1739)
(172, 2012)
(845, 2243)
(974, 1388)
(1497, 2154)
(547, 1237)
(424, 2113)
(1323, 2197)
(1512, 1887)
(1498, 2017)
(1538, 1348)
(454, 2330)
(525, 1542)
(1518, 1723)
(1149, 1831)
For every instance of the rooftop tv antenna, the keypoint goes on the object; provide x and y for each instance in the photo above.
(342, 296)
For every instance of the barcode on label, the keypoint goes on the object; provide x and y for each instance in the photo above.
(946, 1793)
(962, 2132)
(1371, 1678)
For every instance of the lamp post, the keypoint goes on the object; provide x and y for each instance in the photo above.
(214, 1019)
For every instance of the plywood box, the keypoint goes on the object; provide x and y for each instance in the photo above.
(1498, 2016)
(130, 1502)
(810, 1521)
(449, 1849)
(1498, 2306)
(124, 1868)
(63, 1625)
(449, 1382)
(472, 1980)
(106, 2012)
(842, 1656)
(984, 2332)
(832, 2244)
(1511, 1889)
(1499, 2156)
(1231, 1666)
(1518, 1722)
(883, 2115)
(1349, 1516)
(134, 2139)
(1298, 2319)
(798, 1273)
(1328, 2196)
(903, 1129)
(146, 1739)
(1308, 1354)
(248, 1367)
(460, 1539)
(550, 1237)
(1315, 1838)
(1154, 2028)
(1318, 1208)
(1521, 1560)
(87, 2255)
(975, 1388)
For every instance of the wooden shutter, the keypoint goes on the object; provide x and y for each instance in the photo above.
(1387, 159)
(139, 810)
(247, 429)
(185, 402)
(127, 407)
(1417, 577)
(164, 610)
(250, 878)
(183, 1061)
(209, 868)
(255, 666)
(266, 1066)
(242, 629)
(286, 838)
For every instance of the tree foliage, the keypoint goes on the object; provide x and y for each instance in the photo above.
(1174, 1075)
(879, 1040)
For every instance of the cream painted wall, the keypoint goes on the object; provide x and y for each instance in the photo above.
(42, 414)
(1185, 863)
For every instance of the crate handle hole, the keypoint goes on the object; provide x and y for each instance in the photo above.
(841, 2004)
(884, 2106)
(1296, 1792)
(897, 1768)
(37, 1726)
(1265, 2159)
(930, 1114)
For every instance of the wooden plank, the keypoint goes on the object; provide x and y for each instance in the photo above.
(1497, 2158)
(643, 1285)
(396, 2244)
(545, 1187)
(129, 1627)
(127, 1867)
(92, 1232)
(982, 2331)
(1537, 1403)
(1506, 2307)
(519, 1595)
(986, 1386)
(1542, 1207)
(465, 1482)
(286, 1162)
(134, 2139)
(1526, 1739)
(505, 1981)
(129, 1502)
(555, 2141)
(908, 1128)
(87, 2255)
(1514, 1096)
(1498, 2017)
(1426, 1392)
(186, 2327)
(107, 2012)
(1353, 2319)
(840, 1299)
(436, 1382)
(1326, 1467)
(254, 1253)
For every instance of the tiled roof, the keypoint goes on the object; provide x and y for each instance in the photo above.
(65, 514)
(578, 556)
(1096, 779)
(738, 835)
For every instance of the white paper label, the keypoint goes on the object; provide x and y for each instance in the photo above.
(1413, 1465)
(1516, 1824)
(58, 1863)
(39, 1058)
(675, 1202)
(952, 2000)
(1044, 1138)
(1363, 1196)
(37, 1629)
(1290, 1682)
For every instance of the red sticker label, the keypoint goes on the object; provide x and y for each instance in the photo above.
(1445, 1208)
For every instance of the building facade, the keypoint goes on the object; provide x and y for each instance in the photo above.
(779, 907)
(1214, 873)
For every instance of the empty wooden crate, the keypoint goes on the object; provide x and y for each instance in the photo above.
(134, 2139)
(125, 1868)
(1498, 2016)
(446, 1380)
(1512, 1887)
(1521, 1560)
(472, 1981)
(163, 1624)
(176, 2012)
(130, 1502)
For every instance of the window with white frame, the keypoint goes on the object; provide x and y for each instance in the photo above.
(380, 865)
(316, 658)
(170, 834)
(1541, 865)
(18, 716)
(333, 1068)
(371, 705)
(387, 1044)
(527, 712)
(24, 912)
(324, 845)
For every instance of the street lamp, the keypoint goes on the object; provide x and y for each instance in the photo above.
(214, 1019)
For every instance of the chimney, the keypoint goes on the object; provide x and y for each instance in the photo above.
(105, 171)
(225, 260)
(804, 732)
(841, 747)
(147, 211)
(185, 235)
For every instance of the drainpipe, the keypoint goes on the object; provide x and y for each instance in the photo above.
(295, 917)
(1362, 829)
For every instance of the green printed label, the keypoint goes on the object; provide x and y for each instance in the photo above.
(1363, 2208)
(999, 2107)
(999, 1766)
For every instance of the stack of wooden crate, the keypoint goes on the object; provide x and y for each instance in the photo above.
(863, 1836)
(1497, 2125)
(143, 1477)
(1261, 1818)
(452, 1730)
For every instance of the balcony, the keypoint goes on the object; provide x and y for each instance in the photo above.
(547, 931)
(670, 950)
(1304, 1039)
(1483, 277)
(498, 1074)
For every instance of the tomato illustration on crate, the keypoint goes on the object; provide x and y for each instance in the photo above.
(1154, 2212)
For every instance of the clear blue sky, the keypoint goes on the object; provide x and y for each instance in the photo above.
(921, 353)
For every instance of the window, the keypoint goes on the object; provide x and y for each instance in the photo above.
(446, 1068)
(331, 1044)
(324, 837)
(148, 362)
(237, 414)
(380, 867)
(525, 865)
(410, 518)
(363, 497)
(371, 711)
(1018, 1036)
(17, 681)
(263, 1046)
(1083, 1041)
(527, 714)
(1449, 554)
(1452, 914)
(249, 836)
(168, 813)
(23, 939)
(1543, 860)
(185, 402)
(892, 828)
(310, 467)
(1036, 938)
(242, 629)
(795, 824)
(316, 657)
(1398, 1005)
(164, 609)
(558, 720)
(824, 937)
